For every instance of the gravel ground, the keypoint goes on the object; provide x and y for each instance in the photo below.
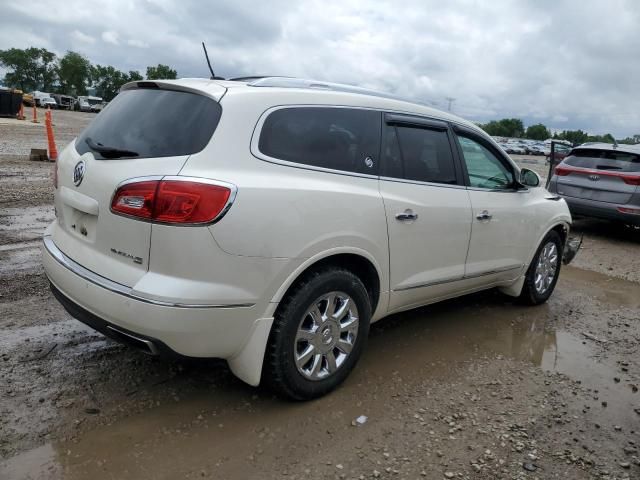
(473, 388)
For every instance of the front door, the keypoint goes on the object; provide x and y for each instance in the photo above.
(428, 210)
(503, 213)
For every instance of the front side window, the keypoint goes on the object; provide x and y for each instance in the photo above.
(484, 168)
(337, 138)
(416, 153)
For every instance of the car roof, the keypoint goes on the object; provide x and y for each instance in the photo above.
(620, 147)
(327, 92)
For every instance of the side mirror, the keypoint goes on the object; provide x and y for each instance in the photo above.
(529, 178)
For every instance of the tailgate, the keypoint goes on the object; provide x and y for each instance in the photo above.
(137, 135)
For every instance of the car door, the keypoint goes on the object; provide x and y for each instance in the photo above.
(428, 210)
(503, 211)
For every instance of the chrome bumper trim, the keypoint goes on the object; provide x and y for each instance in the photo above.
(118, 288)
(457, 279)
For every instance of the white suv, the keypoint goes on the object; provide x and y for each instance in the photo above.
(269, 221)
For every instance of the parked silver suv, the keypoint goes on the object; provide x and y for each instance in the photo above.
(601, 180)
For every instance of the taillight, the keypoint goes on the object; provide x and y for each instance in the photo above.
(632, 211)
(630, 179)
(562, 170)
(173, 200)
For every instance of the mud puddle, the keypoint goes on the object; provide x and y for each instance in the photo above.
(226, 429)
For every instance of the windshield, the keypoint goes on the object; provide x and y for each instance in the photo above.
(152, 123)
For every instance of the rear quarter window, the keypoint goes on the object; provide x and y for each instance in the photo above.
(344, 139)
(153, 122)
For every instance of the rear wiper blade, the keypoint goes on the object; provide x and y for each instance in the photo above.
(109, 152)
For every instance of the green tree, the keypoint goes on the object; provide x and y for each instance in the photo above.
(161, 72)
(75, 72)
(134, 76)
(108, 80)
(507, 127)
(537, 132)
(30, 69)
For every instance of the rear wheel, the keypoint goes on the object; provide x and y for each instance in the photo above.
(319, 332)
(542, 275)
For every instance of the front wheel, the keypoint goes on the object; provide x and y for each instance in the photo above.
(319, 332)
(542, 275)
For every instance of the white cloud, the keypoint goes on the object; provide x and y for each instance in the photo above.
(110, 36)
(80, 37)
(559, 63)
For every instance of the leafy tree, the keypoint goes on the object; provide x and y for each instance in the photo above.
(75, 72)
(134, 76)
(108, 80)
(507, 127)
(30, 69)
(537, 132)
(161, 72)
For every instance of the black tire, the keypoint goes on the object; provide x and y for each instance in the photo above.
(280, 371)
(530, 295)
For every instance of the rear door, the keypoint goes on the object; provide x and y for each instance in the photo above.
(503, 217)
(428, 210)
(143, 132)
(601, 175)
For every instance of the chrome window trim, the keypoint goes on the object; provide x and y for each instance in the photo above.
(179, 178)
(118, 288)
(426, 184)
(457, 279)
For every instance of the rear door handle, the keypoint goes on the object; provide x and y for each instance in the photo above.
(484, 216)
(406, 216)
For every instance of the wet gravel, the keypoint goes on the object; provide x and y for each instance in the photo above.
(473, 388)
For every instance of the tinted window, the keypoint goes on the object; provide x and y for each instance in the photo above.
(153, 123)
(418, 154)
(604, 159)
(337, 138)
(484, 168)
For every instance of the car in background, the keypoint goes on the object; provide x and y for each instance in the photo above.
(85, 103)
(63, 102)
(535, 150)
(560, 152)
(43, 99)
(601, 180)
(97, 107)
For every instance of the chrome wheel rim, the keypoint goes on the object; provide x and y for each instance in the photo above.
(326, 335)
(546, 267)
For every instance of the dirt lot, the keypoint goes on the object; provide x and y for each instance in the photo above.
(476, 388)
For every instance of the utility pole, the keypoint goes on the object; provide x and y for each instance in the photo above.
(450, 100)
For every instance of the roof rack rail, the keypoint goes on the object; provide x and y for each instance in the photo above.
(292, 82)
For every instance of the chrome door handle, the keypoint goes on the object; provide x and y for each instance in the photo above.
(406, 216)
(485, 215)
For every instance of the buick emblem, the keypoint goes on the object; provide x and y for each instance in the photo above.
(594, 178)
(78, 172)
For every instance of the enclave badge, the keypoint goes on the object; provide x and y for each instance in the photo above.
(78, 172)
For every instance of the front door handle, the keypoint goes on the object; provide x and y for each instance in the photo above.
(484, 216)
(406, 216)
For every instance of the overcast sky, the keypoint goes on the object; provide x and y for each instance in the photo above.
(568, 64)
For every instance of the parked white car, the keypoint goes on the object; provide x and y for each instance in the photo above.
(269, 222)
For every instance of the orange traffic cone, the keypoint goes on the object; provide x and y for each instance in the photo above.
(21, 112)
(53, 151)
(35, 113)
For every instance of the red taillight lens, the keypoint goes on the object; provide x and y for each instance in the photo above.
(631, 180)
(632, 211)
(562, 171)
(172, 201)
(136, 199)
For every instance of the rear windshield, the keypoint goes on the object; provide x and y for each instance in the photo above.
(145, 123)
(603, 159)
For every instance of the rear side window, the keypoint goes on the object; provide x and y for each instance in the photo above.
(151, 123)
(337, 138)
(420, 154)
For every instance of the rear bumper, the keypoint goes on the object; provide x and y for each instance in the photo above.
(219, 331)
(607, 211)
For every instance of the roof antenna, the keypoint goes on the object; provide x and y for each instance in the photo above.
(213, 75)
